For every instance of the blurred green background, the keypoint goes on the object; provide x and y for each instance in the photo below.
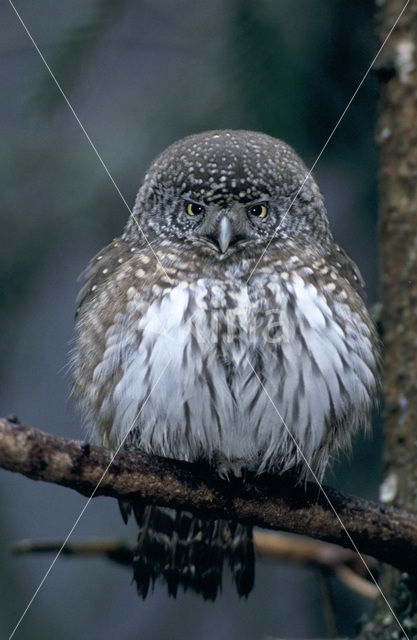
(141, 75)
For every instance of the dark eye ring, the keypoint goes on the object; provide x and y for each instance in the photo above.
(194, 209)
(258, 210)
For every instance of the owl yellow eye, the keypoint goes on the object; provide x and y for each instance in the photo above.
(194, 209)
(258, 210)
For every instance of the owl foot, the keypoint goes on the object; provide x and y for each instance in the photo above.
(226, 468)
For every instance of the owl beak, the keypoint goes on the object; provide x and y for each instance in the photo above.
(224, 234)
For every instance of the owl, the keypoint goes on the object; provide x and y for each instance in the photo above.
(225, 326)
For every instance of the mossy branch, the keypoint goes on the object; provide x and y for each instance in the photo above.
(387, 533)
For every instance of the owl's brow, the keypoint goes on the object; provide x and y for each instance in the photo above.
(333, 131)
(113, 457)
(83, 129)
(327, 499)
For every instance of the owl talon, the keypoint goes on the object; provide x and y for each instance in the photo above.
(228, 469)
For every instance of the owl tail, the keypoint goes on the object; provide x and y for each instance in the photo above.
(179, 549)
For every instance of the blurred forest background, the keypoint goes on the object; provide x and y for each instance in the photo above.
(141, 75)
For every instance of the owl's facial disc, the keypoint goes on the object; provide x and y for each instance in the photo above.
(258, 182)
(224, 236)
(221, 234)
(226, 229)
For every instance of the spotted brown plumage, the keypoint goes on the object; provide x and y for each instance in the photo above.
(224, 325)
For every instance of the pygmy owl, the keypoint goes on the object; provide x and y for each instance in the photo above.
(224, 325)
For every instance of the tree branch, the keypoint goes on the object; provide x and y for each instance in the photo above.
(329, 558)
(345, 564)
(271, 502)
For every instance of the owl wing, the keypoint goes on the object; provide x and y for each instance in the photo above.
(348, 269)
(99, 269)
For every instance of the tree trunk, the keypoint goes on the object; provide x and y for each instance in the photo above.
(397, 138)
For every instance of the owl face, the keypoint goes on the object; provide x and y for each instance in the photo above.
(223, 228)
(228, 227)
(228, 189)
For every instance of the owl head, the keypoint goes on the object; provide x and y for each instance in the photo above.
(227, 189)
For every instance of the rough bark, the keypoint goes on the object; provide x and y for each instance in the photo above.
(397, 138)
(386, 533)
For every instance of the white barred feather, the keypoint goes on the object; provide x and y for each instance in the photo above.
(256, 433)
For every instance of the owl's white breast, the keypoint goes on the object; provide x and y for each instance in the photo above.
(188, 387)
